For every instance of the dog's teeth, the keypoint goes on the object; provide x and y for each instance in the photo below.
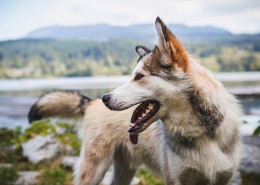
(131, 125)
(150, 106)
(143, 115)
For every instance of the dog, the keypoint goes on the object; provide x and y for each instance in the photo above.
(173, 116)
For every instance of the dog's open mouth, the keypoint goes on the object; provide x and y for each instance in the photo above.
(141, 115)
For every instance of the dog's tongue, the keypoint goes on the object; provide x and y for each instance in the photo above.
(133, 138)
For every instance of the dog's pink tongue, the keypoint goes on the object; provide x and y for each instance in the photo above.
(133, 138)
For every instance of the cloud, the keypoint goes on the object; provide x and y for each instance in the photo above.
(18, 17)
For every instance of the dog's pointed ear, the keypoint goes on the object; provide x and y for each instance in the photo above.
(169, 46)
(162, 33)
(141, 50)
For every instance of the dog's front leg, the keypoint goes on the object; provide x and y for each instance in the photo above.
(91, 168)
(123, 170)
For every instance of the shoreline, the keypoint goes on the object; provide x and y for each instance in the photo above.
(237, 83)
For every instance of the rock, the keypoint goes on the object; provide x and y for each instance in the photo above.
(27, 178)
(69, 161)
(5, 165)
(252, 122)
(252, 140)
(41, 148)
(236, 179)
(250, 159)
(109, 175)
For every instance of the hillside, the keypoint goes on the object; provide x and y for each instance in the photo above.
(109, 50)
(57, 58)
(106, 32)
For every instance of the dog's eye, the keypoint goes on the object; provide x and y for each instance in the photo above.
(138, 76)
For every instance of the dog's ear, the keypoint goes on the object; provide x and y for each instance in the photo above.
(141, 50)
(163, 34)
(169, 46)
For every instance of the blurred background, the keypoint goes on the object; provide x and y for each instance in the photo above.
(89, 46)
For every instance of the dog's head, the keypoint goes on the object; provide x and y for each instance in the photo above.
(157, 83)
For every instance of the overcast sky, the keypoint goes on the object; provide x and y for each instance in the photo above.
(19, 17)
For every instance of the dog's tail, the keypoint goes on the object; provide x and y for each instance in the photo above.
(61, 104)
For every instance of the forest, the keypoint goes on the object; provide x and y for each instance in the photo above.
(41, 58)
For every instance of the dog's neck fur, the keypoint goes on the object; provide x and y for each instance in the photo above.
(191, 126)
(198, 123)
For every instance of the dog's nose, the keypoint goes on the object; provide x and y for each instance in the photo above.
(106, 98)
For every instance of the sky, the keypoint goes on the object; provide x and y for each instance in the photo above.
(19, 17)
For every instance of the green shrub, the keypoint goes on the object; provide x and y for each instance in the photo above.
(148, 178)
(8, 175)
(7, 136)
(55, 176)
(257, 131)
(41, 127)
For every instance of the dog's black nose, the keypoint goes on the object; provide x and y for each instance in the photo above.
(106, 98)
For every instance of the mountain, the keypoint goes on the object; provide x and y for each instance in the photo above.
(105, 32)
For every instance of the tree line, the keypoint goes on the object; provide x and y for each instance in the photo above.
(65, 58)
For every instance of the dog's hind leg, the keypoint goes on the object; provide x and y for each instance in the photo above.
(123, 171)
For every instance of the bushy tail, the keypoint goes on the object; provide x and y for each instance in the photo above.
(62, 104)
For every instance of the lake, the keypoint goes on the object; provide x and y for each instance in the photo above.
(16, 96)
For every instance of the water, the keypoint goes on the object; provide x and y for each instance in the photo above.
(16, 96)
(15, 105)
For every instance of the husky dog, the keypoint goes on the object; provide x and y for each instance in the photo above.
(173, 116)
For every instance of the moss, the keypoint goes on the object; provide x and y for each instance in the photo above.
(8, 175)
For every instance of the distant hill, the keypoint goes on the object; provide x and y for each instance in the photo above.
(106, 32)
(59, 51)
